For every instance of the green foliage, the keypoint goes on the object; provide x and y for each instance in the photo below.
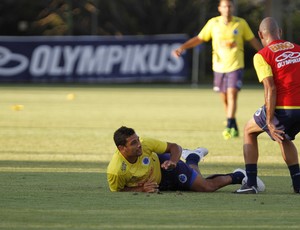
(130, 17)
(54, 154)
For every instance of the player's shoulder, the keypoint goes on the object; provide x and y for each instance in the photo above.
(150, 145)
(149, 140)
(117, 164)
(219, 19)
(239, 20)
(258, 58)
(216, 19)
(296, 45)
(146, 139)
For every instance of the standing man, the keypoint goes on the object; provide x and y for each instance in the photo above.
(150, 165)
(228, 34)
(278, 68)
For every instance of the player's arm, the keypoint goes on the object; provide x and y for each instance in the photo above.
(265, 75)
(255, 44)
(249, 36)
(117, 184)
(149, 186)
(270, 103)
(187, 45)
(175, 152)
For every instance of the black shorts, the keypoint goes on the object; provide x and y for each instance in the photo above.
(287, 120)
(180, 178)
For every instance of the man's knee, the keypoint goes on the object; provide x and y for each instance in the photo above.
(251, 128)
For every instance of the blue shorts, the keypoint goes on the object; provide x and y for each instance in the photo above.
(223, 81)
(180, 178)
(287, 120)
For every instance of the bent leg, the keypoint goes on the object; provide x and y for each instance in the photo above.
(195, 167)
(289, 152)
(290, 156)
(250, 147)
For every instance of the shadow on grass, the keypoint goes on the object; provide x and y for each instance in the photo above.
(53, 164)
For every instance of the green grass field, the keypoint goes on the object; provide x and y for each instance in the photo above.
(54, 153)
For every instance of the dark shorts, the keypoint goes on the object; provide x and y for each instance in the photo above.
(181, 178)
(223, 81)
(287, 120)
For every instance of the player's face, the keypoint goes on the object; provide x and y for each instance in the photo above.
(225, 8)
(133, 146)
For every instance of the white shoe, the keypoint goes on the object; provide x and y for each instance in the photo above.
(260, 184)
(201, 152)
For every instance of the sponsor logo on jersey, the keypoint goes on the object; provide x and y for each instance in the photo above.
(123, 166)
(281, 46)
(228, 44)
(287, 58)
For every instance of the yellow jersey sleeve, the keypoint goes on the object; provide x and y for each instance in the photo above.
(116, 171)
(206, 32)
(153, 145)
(263, 69)
(248, 34)
(115, 182)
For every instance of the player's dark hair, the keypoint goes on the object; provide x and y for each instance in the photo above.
(121, 134)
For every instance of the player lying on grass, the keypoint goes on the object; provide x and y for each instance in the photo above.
(150, 165)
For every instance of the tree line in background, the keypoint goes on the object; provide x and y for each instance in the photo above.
(138, 17)
(131, 17)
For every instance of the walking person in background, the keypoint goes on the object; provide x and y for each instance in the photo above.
(278, 68)
(228, 34)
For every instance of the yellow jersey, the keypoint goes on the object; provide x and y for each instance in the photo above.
(227, 42)
(121, 173)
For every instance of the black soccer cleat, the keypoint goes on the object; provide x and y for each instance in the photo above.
(245, 189)
(297, 190)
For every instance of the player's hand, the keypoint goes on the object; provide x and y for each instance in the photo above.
(167, 165)
(278, 135)
(177, 52)
(150, 186)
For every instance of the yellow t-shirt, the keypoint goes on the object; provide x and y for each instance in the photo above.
(263, 69)
(121, 173)
(227, 42)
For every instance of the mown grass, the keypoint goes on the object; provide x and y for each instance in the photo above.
(54, 153)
